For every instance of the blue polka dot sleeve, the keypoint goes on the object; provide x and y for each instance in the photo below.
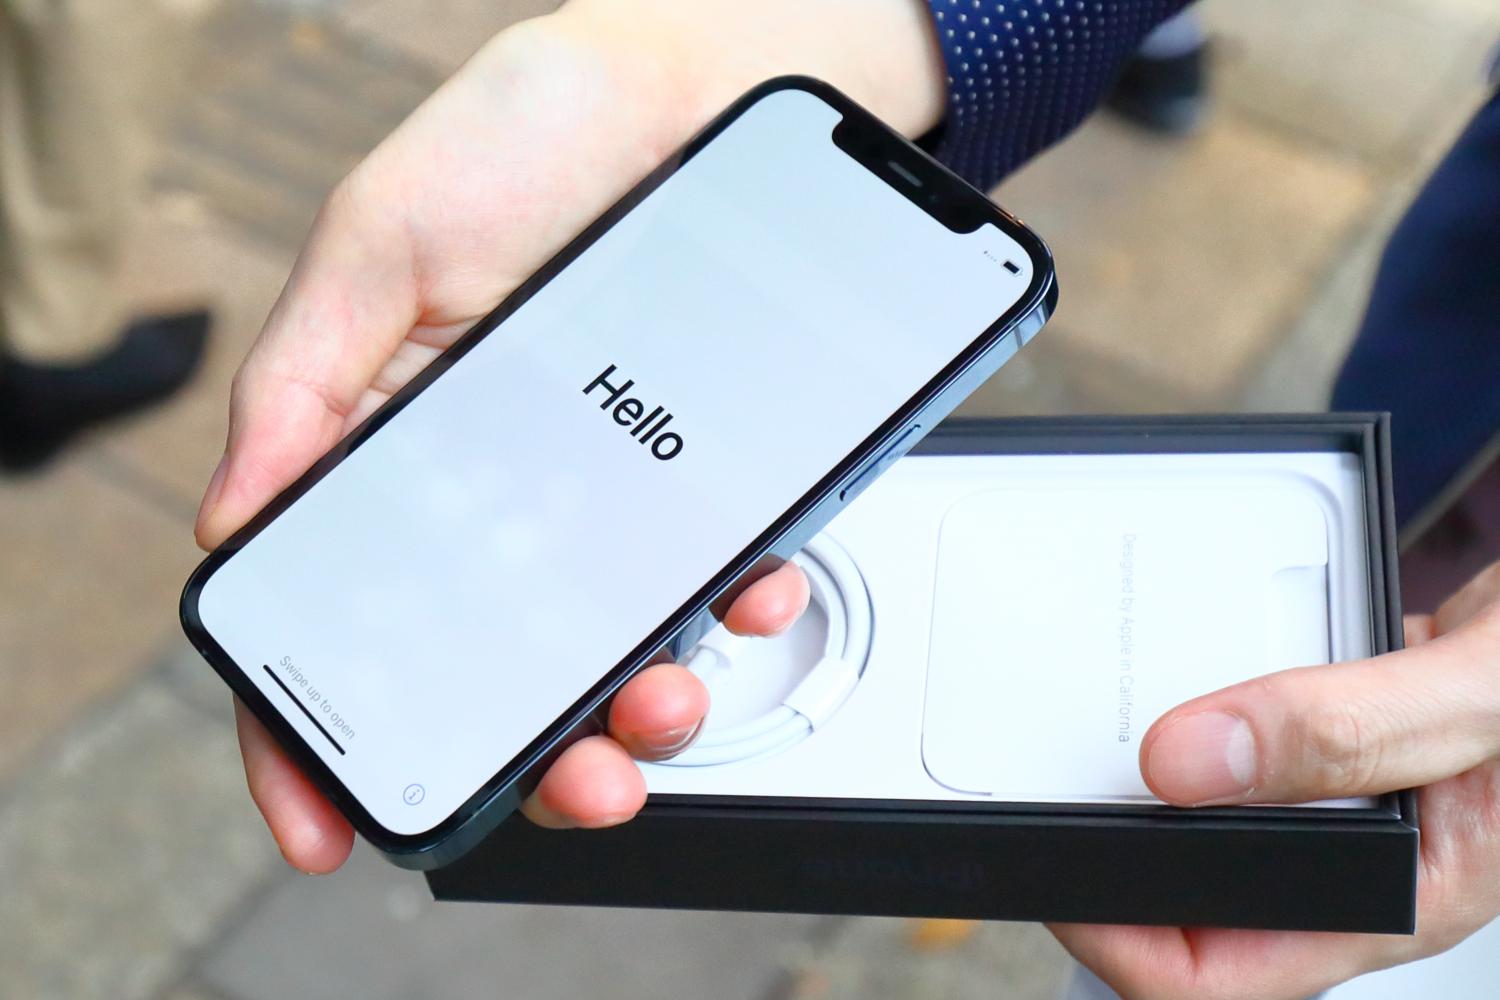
(1024, 73)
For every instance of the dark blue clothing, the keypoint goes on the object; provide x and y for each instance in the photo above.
(1429, 348)
(1023, 73)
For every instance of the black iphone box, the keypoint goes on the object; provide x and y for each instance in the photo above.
(997, 622)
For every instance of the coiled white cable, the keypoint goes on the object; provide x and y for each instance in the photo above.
(838, 588)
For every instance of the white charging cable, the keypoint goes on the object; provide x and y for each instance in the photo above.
(839, 589)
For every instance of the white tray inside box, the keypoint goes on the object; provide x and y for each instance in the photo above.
(1032, 615)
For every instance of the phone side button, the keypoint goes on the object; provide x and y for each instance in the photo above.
(880, 463)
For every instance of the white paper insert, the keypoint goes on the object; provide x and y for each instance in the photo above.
(1108, 604)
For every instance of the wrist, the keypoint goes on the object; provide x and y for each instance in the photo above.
(705, 53)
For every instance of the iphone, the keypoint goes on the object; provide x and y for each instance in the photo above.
(698, 382)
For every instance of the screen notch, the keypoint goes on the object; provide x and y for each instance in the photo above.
(911, 173)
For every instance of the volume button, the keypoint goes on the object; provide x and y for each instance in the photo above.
(880, 463)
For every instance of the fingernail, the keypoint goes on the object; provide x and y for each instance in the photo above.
(1208, 757)
(215, 487)
(671, 741)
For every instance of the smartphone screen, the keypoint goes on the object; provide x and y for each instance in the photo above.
(445, 593)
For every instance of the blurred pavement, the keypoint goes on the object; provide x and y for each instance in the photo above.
(1225, 271)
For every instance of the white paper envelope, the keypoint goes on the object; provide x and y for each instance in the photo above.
(1171, 592)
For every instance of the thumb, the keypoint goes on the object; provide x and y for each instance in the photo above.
(1347, 730)
(350, 301)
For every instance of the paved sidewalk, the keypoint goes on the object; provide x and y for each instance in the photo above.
(1225, 271)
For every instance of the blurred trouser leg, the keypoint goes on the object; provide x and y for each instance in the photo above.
(1429, 347)
(82, 83)
(1429, 351)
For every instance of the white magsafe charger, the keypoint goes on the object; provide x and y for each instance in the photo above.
(808, 673)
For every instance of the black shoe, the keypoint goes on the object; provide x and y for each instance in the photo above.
(42, 407)
(1167, 95)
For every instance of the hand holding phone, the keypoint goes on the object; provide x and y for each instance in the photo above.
(474, 192)
(404, 258)
(452, 594)
(408, 617)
